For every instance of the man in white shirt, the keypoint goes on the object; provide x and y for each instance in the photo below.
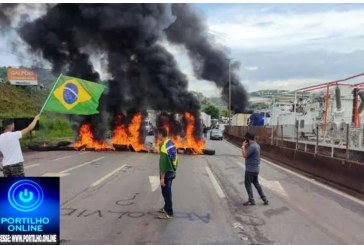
(10, 148)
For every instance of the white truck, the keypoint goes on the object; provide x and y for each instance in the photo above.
(206, 119)
(240, 119)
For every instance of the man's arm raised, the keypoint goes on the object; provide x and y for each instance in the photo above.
(31, 126)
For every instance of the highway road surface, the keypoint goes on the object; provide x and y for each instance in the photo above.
(112, 198)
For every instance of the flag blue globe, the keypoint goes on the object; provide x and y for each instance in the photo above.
(70, 93)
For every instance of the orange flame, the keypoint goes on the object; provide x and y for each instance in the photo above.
(176, 139)
(120, 136)
(134, 130)
(131, 135)
(120, 132)
(196, 145)
(178, 142)
(86, 138)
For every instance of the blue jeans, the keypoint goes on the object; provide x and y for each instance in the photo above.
(167, 192)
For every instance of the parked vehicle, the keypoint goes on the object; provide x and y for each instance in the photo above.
(216, 134)
(215, 123)
(148, 126)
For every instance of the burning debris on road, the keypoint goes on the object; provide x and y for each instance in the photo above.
(131, 136)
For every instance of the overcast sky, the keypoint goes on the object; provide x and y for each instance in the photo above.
(289, 46)
(279, 46)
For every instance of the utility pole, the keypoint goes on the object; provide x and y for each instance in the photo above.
(229, 109)
(295, 118)
(272, 121)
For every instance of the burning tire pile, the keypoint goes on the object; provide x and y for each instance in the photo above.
(130, 136)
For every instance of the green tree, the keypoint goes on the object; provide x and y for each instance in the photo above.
(224, 112)
(260, 106)
(211, 110)
(3, 72)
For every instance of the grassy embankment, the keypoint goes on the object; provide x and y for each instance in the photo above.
(17, 102)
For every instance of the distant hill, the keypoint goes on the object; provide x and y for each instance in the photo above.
(268, 93)
(217, 101)
(20, 101)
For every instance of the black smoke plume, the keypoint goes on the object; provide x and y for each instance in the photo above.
(141, 73)
(6, 13)
(169, 120)
(209, 60)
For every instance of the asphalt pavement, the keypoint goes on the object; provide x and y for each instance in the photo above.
(113, 198)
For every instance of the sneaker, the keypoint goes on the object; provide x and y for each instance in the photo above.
(266, 202)
(165, 216)
(162, 211)
(249, 203)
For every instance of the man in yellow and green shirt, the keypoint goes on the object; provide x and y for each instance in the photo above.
(168, 163)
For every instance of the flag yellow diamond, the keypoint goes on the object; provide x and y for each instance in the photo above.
(71, 93)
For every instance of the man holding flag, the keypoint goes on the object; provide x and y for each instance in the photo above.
(69, 95)
(10, 147)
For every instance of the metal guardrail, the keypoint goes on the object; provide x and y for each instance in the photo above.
(340, 141)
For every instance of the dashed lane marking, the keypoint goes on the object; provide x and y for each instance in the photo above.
(102, 179)
(31, 166)
(154, 182)
(215, 184)
(69, 156)
(66, 171)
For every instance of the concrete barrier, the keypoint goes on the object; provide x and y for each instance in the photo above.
(348, 174)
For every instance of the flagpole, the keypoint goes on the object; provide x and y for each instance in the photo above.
(49, 95)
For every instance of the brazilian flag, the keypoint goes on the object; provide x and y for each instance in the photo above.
(73, 95)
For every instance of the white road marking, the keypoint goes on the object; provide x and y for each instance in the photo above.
(60, 158)
(240, 164)
(343, 194)
(55, 174)
(65, 172)
(216, 185)
(273, 186)
(69, 156)
(154, 182)
(99, 181)
(270, 184)
(81, 165)
(31, 166)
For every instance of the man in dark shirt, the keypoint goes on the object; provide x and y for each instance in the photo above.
(251, 153)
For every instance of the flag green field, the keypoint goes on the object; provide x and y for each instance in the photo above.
(73, 95)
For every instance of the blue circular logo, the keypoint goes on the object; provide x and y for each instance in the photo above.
(25, 195)
(70, 93)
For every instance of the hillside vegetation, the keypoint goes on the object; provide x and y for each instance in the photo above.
(17, 102)
(20, 102)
